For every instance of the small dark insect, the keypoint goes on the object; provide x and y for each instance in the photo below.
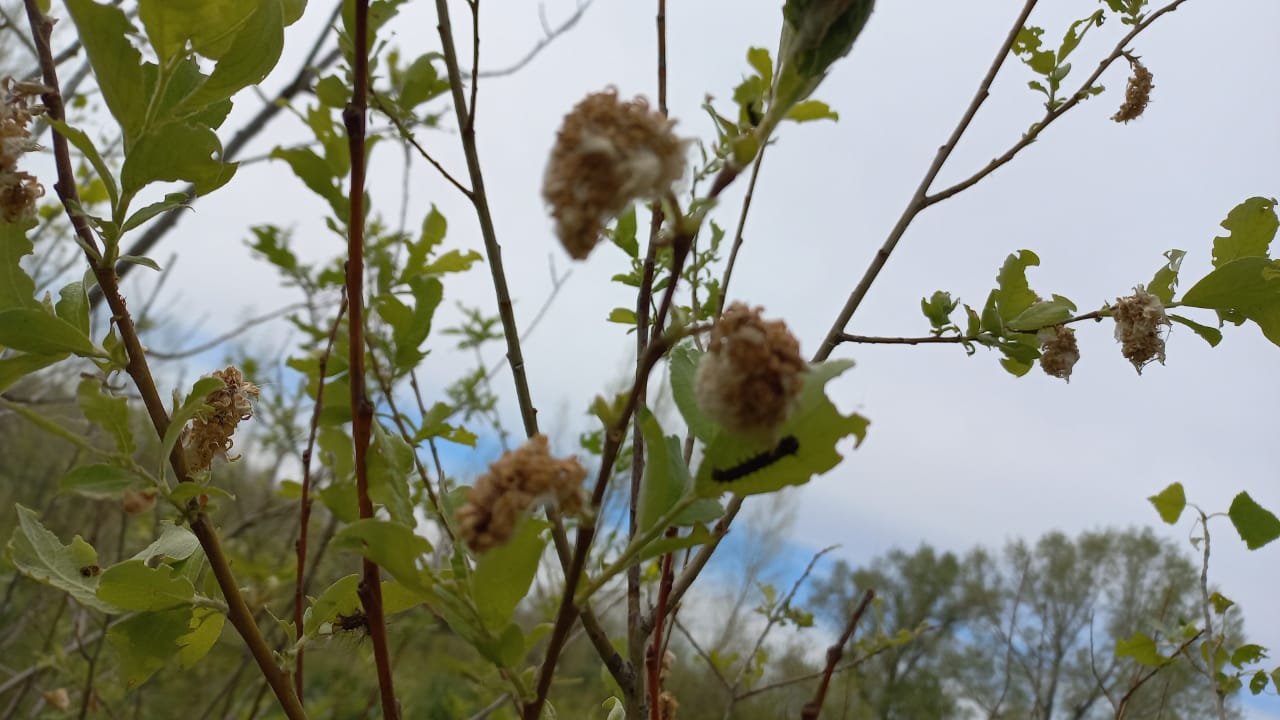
(90, 570)
(357, 620)
(788, 445)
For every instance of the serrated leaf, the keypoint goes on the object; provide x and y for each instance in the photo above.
(504, 573)
(1013, 295)
(1211, 335)
(1248, 286)
(393, 546)
(99, 481)
(806, 444)
(1170, 502)
(133, 585)
(1257, 525)
(1166, 278)
(37, 553)
(146, 642)
(1142, 649)
(37, 331)
(1251, 227)
(666, 477)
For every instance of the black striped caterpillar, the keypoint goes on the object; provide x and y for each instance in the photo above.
(788, 445)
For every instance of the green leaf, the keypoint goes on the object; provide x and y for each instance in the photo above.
(453, 261)
(36, 331)
(1170, 502)
(1221, 603)
(17, 289)
(205, 629)
(316, 174)
(393, 546)
(99, 481)
(1213, 336)
(1166, 278)
(421, 82)
(623, 233)
(186, 491)
(389, 463)
(684, 361)
(1142, 649)
(1247, 654)
(134, 586)
(1045, 313)
(108, 412)
(1257, 525)
(210, 26)
(408, 336)
(338, 599)
(698, 535)
(1013, 295)
(82, 143)
(146, 642)
(666, 477)
(812, 110)
(73, 306)
(624, 316)
(938, 308)
(17, 366)
(39, 555)
(248, 59)
(806, 444)
(140, 260)
(176, 151)
(504, 573)
(1248, 286)
(1258, 682)
(171, 201)
(760, 61)
(175, 543)
(104, 30)
(1251, 227)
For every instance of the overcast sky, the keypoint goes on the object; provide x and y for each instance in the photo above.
(959, 452)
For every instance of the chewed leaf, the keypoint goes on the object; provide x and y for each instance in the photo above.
(37, 553)
(806, 444)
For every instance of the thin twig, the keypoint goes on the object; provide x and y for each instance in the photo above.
(304, 501)
(228, 335)
(1096, 315)
(1123, 707)
(549, 35)
(813, 708)
(354, 117)
(238, 610)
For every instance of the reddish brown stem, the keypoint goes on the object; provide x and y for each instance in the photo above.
(655, 653)
(304, 502)
(238, 611)
(354, 116)
(813, 708)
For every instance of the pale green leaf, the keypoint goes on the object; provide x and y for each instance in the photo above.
(810, 110)
(19, 365)
(1211, 335)
(1013, 295)
(17, 289)
(104, 30)
(1166, 278)
(1170, 502)
(73, 306)
(36, 331)
(390, 461)
(205, 629)
(1251, 227)
(133, 585)
(108, 412)
(100, 481)
(146, 642)
(1247, 286)
(251, 55)
(684, 361)
(503, 573)
(37, 553)
(171, 201)
(175, 543)
(176, 151)
(1257, 525)
(393, 546)
(666, 478)
(81, 142)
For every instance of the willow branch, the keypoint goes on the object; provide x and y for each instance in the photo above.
(354, 118)
(304, 502)
(813, 708)
(1096, 315)
(237, 609)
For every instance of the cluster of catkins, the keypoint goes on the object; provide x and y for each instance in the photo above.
(1141, 323)
(1136, 94)
(518, 481)
(209, 435)
(19, 190)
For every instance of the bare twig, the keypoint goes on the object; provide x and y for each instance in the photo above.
(228, 335)
(354, 117)
(1097, 315)
(304, 501)
(549, 35)
(238, 610)
(813, 708)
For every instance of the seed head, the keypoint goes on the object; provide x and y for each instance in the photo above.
(1058, 351)
(520, 479)
(1137, 94)
(18, 190)
(667, 706)
(210, 434)
(607, 155)
(1140, 321)
(751, 374)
